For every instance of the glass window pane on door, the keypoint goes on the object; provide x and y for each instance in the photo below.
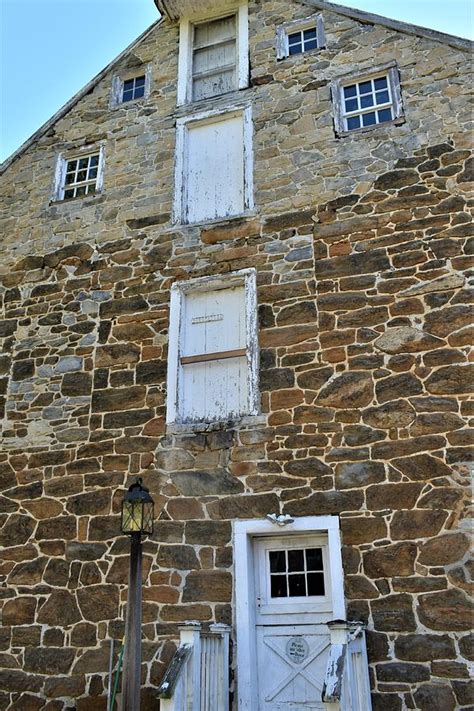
(296, 572)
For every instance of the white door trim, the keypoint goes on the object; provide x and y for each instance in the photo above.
(244, 531)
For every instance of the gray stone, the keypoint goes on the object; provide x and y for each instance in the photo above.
(406, 339)
(69, 364)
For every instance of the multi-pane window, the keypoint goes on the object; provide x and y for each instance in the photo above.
(133, 88)
(302, 41)
(212, 360)
(296, 572)
(300, 36)
(368, 100)
(131, 85)
(214, 69)
(367, 103)
(81, 176)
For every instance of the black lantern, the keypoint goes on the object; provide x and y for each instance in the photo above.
(137, 510)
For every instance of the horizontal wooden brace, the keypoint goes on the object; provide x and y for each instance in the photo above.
(219, 355)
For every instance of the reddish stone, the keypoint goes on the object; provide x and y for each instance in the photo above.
(397, 559)
(448, 610)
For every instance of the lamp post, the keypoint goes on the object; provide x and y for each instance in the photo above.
(137, 521)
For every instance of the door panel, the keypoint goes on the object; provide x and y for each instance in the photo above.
(293, 603)
(291, 666)
(214, 321)
(215, 168)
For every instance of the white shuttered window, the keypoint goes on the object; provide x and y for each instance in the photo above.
(213, 54)
(213, 349)
(213, 166)
(214, 69)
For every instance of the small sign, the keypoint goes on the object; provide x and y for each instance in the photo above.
(297, 649)
(206, 319)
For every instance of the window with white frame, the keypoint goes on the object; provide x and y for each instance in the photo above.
(213, 56)
(213, 354)
(368, 100)
(213, 166)
(300, 36)
(130, 86)
(79, 175)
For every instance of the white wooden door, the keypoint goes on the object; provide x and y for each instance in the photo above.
(214, 323)
(293, 604)
(214, 168)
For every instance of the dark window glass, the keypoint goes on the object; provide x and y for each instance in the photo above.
(69, 178)
(353, 122)
(369, 119)
(350, 90)
(310, 34)
(92, 173)
(314, 559)
(381, 97)
(94, 160)
(367, 100)
(310, 44)
(315, 584)
(133, 88)
(91, 190)
(295, 48)
(277, 561)
(83, 163)
(351, 105)
(278, 586)
(68, 194)
(295, 560)
(81, 190)
(71, 165)
(365, 87)
(380, 83)
(385, 115)
(297, 584)
(82, 175)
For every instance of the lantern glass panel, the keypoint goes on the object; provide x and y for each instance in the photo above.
(132, 516)
(148, 516)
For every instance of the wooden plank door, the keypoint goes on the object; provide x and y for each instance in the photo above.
(215, 169)
(213, 324)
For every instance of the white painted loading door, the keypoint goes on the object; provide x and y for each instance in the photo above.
(293, 605)
(215, 168)
(214, 323)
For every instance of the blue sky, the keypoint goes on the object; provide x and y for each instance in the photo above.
(51, 48)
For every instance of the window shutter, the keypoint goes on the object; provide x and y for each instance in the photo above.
(214, 58)
(215, 169)
(213, 355)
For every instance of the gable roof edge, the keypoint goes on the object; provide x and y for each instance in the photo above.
(371, 18)
(74, 100)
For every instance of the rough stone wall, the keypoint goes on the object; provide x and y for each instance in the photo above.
(362, 248)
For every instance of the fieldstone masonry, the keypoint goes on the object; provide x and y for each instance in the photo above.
(362, 249)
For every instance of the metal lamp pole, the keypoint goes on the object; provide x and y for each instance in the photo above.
(133, 630)
(137, 521)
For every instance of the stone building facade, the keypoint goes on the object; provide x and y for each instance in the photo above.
(359, 243)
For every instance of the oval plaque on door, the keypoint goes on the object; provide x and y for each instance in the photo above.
(297, 649)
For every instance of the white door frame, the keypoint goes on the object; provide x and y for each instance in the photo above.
(244, 592)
